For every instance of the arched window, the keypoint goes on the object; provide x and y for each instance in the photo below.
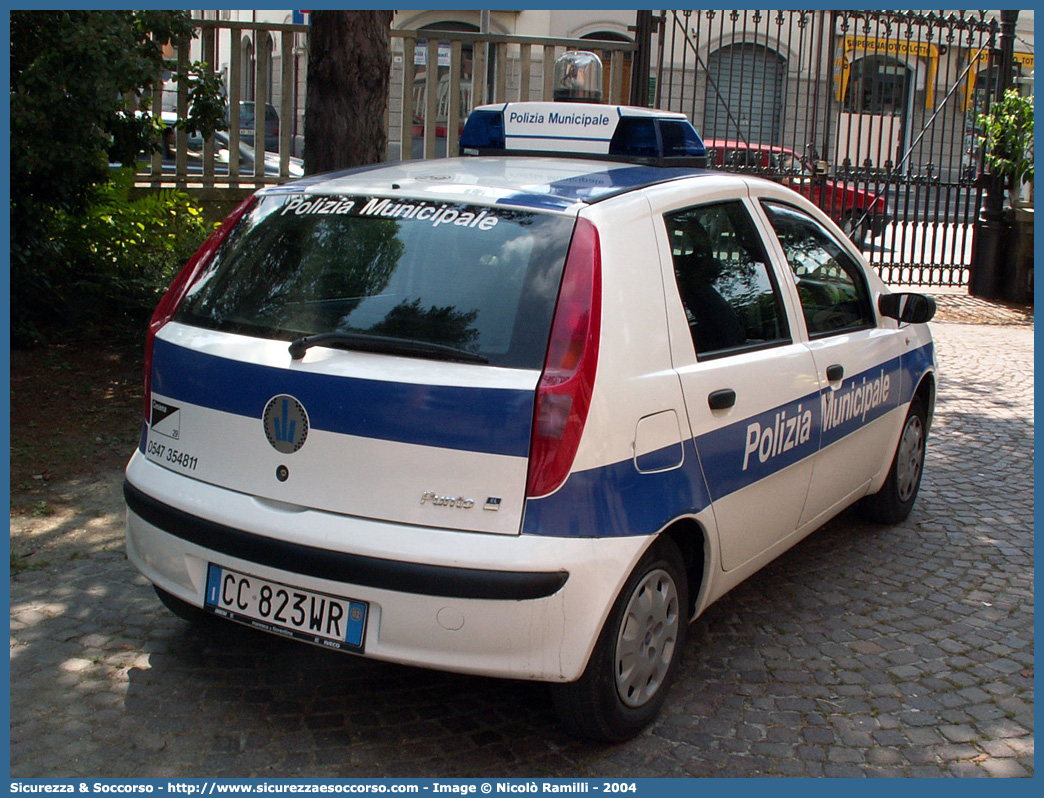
(606, 56)
(878, 85)
(248, 74)
(876, 104)
(270, 44)
(745, 94)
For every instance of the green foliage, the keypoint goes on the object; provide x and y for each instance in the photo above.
(80, 99)
(206, 99)
(107, 265)
(79, 82)
(1008, 127)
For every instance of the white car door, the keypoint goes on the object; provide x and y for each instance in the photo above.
(856, 359)
(751, 389)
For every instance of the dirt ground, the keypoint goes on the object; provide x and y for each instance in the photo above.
(76, 414)
(75, 420)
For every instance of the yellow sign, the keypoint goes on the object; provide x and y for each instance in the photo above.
(892, 46)
(1026, 59)
(862, 46)
(982, 59)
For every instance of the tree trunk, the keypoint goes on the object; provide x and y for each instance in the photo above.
(349, 66)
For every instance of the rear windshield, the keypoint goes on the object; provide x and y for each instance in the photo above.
(478, 279)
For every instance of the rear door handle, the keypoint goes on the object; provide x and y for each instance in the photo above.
(835, 373)
(722, 400)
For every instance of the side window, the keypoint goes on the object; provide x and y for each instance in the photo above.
(831, 284)
(729, 295)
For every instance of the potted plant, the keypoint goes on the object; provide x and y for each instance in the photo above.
(1008, 139)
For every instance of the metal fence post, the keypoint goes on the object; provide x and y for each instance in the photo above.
(992, 229)
(642, 64)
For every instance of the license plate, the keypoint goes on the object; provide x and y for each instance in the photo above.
(319, 618)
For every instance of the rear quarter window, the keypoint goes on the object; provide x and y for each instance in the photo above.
(731, 300)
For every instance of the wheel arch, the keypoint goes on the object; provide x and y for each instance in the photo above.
(925, 391)
(693, 542)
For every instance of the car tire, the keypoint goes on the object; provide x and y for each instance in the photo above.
(637, 654)
(184, 610)
(893, 502)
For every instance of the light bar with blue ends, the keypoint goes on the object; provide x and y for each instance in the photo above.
(600, 132)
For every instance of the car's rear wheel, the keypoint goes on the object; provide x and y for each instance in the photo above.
(893, 502)
(637, 653)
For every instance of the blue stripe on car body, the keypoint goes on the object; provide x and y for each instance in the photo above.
(860, 400)
(609, 501)
(617, 500)
(914, 365)
(753, 448)
(487, 420)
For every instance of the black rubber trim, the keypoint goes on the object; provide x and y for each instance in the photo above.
(355, 569)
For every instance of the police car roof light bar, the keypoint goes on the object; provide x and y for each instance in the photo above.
(597, 132)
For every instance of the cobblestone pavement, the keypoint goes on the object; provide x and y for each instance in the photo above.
(864, 651)
(958, 306)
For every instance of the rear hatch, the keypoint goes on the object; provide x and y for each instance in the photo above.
(421, 328)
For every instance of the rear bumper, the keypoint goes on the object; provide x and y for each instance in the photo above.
(438, 581)
(519, 607)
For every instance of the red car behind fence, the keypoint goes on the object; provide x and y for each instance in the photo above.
(860, 213)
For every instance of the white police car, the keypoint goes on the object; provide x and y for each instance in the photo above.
(520, 416)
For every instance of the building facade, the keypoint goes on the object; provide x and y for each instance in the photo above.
(842, 86)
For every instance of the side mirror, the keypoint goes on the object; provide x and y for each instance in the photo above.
(909, 308)
(820, 167)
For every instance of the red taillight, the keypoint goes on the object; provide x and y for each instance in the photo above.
(564, 393)
(173, 296)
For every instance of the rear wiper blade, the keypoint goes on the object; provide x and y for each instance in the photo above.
(384, 345)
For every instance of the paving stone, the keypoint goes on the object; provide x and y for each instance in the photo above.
(884, 756)
(967, 770)
(884, 772)
(1005, 768)
(843, 771)
(958, 734)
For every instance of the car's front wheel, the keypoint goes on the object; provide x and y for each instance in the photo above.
(893, 502)
(637, 653)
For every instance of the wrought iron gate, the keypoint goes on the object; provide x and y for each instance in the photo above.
(870, 114)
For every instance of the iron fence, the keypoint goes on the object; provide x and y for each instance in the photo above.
(870, 114)
(437, 76)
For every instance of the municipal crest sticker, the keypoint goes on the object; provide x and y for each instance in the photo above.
(286, 423)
